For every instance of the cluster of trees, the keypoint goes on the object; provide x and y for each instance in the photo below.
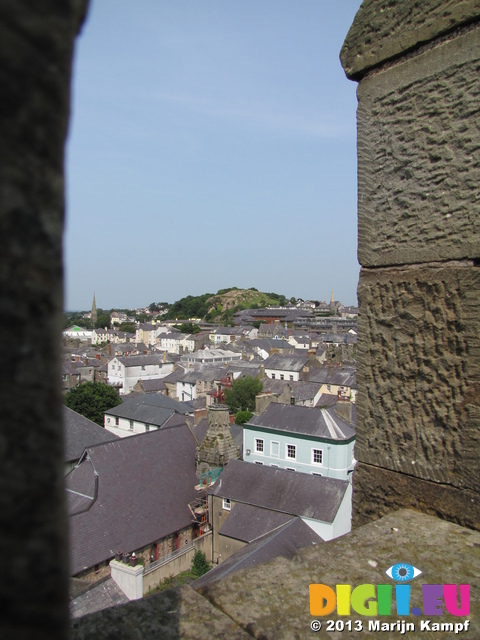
(92, 399)
(188, 327)
(128, 327)
(281, 300)
(241, 396)
(189, 307)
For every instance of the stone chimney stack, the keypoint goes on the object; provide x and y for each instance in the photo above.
(218, 446)
(344, 408)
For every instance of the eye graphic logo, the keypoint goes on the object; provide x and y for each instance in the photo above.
(402, 572)
(372, 600)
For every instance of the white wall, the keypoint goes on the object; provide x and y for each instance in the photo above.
(287, 375)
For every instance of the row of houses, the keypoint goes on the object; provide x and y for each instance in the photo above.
(158, 492)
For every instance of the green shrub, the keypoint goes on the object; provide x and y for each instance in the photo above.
(200, 566)
(243, 416)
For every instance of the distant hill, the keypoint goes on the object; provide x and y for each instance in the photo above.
(220, 306)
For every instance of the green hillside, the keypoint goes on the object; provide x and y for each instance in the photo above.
(221, 306)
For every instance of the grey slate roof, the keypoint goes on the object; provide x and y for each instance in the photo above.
(304, 390)
(275, 385)
(138, 361)
(281, 362)
(298, 494)
(342, 376)
(140, 486)
(176, 375)
(283, 542)
(79, 433)
(327, 400)
(270, 343)
(309, 421)
(200, 430)
(247, 523)
(150, 408)
(99, 597)
(153, 385)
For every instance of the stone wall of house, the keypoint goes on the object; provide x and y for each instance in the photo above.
(418, 366)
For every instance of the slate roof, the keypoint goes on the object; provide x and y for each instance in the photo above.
(342, 376)
(271, 343)
(140, 488)
(309, 421)
(247, 523)
(153, 385)
(280, 362)
(245, 369)
(237, 434)
(79, 433)
(177, 374)
(283, 542)
(209, 354)
(327, 400)
(302, 391)
(100, 596)
(150, 408)
(190, 377)
(200, 430)
(68, 368)
(298, 494)
(275, 385)
(138, 361)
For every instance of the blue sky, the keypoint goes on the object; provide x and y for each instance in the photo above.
(212, 144)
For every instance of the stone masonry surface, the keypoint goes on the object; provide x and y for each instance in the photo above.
(418, 158)
(384, 29)
(420, 372)
(379, 491)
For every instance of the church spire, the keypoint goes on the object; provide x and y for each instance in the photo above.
(332, 299)
(94, 312)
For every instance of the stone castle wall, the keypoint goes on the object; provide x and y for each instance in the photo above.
(418, 429)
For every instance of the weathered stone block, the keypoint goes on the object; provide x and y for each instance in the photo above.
(418, 150)
(419, 372)
(170, 615)
(383, 30)
(377, 492)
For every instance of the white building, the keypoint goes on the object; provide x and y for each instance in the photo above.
(144, 413)
(285, 367)
(314, 441)
(78, 333)
(125, 372)
(210, 356)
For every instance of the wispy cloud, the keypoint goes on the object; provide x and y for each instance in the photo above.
(260, 117)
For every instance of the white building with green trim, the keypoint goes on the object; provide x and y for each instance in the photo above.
(309, 440)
